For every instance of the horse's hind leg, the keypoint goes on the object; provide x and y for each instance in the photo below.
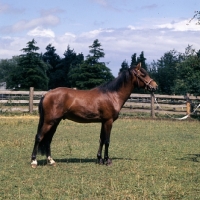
(34, 153)
(38, 138)
(42, 142)
(50, 160)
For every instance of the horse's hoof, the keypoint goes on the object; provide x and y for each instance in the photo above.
(108, 162)
(34, 164)
(100, 161)
(51, 162)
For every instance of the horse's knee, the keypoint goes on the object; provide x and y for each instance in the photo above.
(107, 142)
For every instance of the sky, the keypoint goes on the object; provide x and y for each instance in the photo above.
(123, 27)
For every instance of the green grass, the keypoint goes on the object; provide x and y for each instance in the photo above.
(152, 159)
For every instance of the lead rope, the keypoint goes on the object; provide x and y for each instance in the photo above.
(182, 118)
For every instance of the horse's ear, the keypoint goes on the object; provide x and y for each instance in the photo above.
(138, 67)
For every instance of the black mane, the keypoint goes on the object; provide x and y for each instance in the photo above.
(116, 84)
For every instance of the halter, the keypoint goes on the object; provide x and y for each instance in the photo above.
(147, 83)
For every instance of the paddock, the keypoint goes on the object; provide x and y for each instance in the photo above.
(153, 159)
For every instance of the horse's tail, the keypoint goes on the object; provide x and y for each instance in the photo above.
(41, 114)
(42, 143)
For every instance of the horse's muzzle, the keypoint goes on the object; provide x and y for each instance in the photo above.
(152, 87)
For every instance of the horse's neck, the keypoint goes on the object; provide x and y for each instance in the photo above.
(125, 92)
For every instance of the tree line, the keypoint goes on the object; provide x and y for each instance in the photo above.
(48, 70)
(175, 72)
(178, 73)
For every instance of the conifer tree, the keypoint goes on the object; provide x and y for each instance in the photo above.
(91, 72)
(124, 66)
(31, 70)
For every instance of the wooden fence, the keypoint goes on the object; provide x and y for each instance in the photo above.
(24, 101)
(27, 101)
(163, 104)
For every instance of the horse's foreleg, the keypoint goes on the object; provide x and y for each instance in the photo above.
(107, 129)
(104, 139)
(101, 143)
(99, 153)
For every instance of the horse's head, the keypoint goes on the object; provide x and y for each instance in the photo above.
(143, 80)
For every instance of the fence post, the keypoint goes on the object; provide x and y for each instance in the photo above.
(31, 99)
(152, 105)
(188, 105)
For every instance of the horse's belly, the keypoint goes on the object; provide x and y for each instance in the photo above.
(83, 117)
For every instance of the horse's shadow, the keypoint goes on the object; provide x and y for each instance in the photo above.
(191, 157)
(77, 160)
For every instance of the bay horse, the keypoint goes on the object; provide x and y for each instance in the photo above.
(101, 104)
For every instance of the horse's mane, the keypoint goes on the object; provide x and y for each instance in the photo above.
(116, 84)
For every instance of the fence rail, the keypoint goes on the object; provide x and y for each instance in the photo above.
(27, 101)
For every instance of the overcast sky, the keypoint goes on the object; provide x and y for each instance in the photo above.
(123, 27)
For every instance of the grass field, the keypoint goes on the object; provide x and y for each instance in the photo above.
(152, 159)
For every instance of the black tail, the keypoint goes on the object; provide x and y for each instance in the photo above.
(41, 113)
(42, 144)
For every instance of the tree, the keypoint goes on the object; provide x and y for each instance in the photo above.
(90, 76)
(30, 71)
(96, 51)
(6, 68)
(91, 72)
(166, 71)
(141, 59)
(51, 57)
(134, 60)
(178, 73)
(196, 16)
(52, 60)
(61, 77)
(124, 66)
(188, 73)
